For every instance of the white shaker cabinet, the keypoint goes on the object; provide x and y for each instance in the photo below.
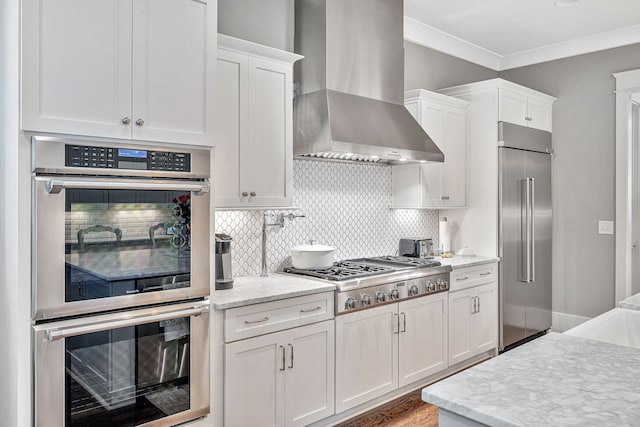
(279, 362)
(434, 185)
(128, 69)
(473, 312)
(254, 132)
(525, 107)
(383, 348)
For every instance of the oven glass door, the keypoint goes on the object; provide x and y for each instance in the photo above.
(106, 239)
(124, 372)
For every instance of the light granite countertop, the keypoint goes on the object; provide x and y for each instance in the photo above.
(631, 303)
(556, 380)
(466, 261)
(255, 289)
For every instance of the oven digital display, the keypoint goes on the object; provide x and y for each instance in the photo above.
(137, 154)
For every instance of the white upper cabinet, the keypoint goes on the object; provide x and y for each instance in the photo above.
(129, 69)
(435, 185)
(525, 107)
(254, 132)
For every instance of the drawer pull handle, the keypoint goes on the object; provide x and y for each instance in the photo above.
(311, 310)
(462, 279)
(253, 322)
(485, 274)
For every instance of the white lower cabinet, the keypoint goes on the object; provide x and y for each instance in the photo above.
(383, 348)
(280, 379)
(473, 315)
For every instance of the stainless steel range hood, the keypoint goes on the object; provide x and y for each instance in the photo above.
(350, 85)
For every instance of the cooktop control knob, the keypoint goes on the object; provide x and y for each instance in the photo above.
(394, 294)
(350, 304)
(381, 296)
(431, 287)
(442, 284)
(365, 299)
(413, 290)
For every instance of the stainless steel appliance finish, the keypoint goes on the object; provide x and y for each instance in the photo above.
(351, 84)
(224, 275)
(525, 218)
(93, 368)
(57, 180)
(368, 282)
(418, 248)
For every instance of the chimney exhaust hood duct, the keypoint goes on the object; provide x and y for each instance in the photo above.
(350, 85)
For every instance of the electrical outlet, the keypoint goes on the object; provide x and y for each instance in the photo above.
(605, 227)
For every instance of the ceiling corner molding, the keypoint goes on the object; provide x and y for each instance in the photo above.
(427, 36)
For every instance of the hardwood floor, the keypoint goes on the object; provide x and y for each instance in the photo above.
(408, 410)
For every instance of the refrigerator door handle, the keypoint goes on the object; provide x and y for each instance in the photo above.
(525, 209)
(532, 234)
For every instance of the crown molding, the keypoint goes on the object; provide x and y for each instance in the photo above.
(425, 35)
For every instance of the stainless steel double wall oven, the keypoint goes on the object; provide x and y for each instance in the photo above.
(120, 271)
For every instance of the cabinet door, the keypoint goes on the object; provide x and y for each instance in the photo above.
(309, 385)
(432, 121)
(253, 380)
(267, 158)
(484, 321)
(366, 355)
(423, 337)
(453, 185)
(76, 67)
(171, 89)
(460, 338)
(539, 113)
(512, 107)
(232, 114)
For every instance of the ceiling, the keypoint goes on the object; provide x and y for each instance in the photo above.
(503, 34)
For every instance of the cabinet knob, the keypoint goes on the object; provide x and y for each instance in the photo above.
(528, 119)
(126, 121)
(245, 194)
(252, 194)
(445, 197)
(139, 122)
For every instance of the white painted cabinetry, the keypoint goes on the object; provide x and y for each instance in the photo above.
(381, 349)
(129, 69)
(473, 312)
(525, 107)
(254, 133)
(434, 185)
(283, 378)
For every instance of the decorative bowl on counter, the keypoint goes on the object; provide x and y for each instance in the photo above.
(312, 256)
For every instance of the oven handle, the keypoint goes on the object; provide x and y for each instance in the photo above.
(55, 334)
(54, 186)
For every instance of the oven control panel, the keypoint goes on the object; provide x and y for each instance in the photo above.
(82, 156)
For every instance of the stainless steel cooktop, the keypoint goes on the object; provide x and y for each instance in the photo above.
(367, 282)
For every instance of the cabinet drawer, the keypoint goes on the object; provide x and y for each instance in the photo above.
(473, 276)
(259, 319)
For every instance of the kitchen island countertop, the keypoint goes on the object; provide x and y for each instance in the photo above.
(466, 261)
(255, 289)
(557, 380)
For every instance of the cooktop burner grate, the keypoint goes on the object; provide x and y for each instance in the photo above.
(342, 270)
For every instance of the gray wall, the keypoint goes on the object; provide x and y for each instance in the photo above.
(429, 69)
(268, 22)
(584, 172)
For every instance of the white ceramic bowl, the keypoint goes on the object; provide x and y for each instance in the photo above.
(312, 256)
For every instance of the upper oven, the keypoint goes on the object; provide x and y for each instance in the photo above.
(117, 226)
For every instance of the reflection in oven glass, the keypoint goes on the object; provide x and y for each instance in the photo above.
(128, 376)
(122, 242)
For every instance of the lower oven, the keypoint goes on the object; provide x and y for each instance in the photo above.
(146, 367)
(117, 226)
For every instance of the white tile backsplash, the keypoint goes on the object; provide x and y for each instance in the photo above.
(346, 205)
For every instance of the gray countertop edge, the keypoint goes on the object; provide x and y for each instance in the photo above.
(465, 411)
(458, 262)
(250, 290)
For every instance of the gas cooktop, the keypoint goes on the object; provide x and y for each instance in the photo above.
(368, 282)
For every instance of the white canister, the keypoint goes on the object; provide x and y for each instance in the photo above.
(445, 235)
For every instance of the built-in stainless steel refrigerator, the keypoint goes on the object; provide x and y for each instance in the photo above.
(524, 241)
